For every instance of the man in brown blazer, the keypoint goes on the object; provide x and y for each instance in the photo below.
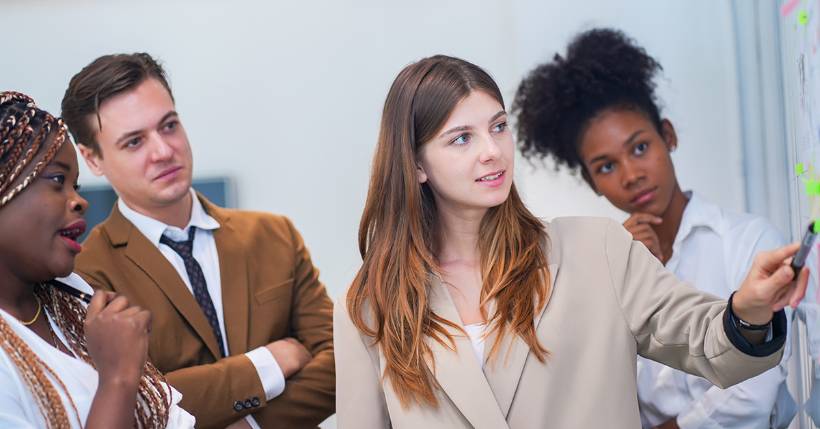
(241, 324)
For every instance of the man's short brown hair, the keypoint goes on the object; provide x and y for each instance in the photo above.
(104, 78)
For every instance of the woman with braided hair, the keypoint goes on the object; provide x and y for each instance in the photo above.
(63, 365)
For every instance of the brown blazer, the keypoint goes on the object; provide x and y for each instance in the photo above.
(610, 301)
(270, 290)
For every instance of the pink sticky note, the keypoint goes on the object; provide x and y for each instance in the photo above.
(788, 7)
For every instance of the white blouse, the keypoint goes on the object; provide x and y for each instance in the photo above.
(476, 333)
(18, 407)
(713, 249)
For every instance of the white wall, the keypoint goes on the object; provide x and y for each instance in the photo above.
(694, 42)
(285, 97)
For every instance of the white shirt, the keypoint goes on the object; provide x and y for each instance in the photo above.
(713, 251)
(18, 407)
(206, 254)
(476, 333)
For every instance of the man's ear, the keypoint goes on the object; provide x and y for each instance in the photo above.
(92, 159)
(670, 137)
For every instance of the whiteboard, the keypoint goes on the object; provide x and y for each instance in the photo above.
(799, 35)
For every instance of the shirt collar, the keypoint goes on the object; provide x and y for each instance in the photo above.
(698, 213)
(154, 229)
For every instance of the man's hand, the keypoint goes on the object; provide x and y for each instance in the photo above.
(290, 354)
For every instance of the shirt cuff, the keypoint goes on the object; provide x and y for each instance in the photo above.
(252, 422)
(774, 340)
(270, 374)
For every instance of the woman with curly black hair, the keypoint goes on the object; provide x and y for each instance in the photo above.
(595, 111)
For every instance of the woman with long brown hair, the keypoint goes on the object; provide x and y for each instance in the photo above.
(62, 364)
(468, 311)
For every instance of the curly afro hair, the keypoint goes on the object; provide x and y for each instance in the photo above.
(603, 69)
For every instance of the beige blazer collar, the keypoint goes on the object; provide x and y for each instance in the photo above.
(483, 397)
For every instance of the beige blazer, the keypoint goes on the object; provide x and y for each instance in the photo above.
(610, 301)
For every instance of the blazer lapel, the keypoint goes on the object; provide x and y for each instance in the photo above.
(505, 369)
(458, 372)
(148, 258)
(233, 273)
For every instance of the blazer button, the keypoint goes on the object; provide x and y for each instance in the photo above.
(255, 401)
(238, 406)
(248, 403)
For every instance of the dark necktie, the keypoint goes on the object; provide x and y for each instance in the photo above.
(197, 279)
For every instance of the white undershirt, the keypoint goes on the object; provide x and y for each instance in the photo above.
(476, 333)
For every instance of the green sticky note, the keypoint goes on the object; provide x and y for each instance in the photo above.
(816, 226)
(803, 17)
(799, 169)
(812, 187)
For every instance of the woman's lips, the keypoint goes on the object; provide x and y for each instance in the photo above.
(70, 233)
(644, 197)
(72, 244)
(493, 179)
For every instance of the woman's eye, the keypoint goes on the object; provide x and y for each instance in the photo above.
(500, 127)
(461, 140)
(640, 148)
(57, 178)
(606, 168)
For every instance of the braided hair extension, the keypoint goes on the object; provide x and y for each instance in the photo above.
(24, 131)
(17, 147)
(69, 315)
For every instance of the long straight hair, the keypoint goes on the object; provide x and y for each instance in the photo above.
(389, 298)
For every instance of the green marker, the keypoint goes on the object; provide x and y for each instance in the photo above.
(803, 17)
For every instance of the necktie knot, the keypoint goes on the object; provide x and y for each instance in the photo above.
(184, 248)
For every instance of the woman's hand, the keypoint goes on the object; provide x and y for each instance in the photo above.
(770, 286)
(640, 226)
(117, 337)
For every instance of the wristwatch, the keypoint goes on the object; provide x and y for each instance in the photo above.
(742, 324)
